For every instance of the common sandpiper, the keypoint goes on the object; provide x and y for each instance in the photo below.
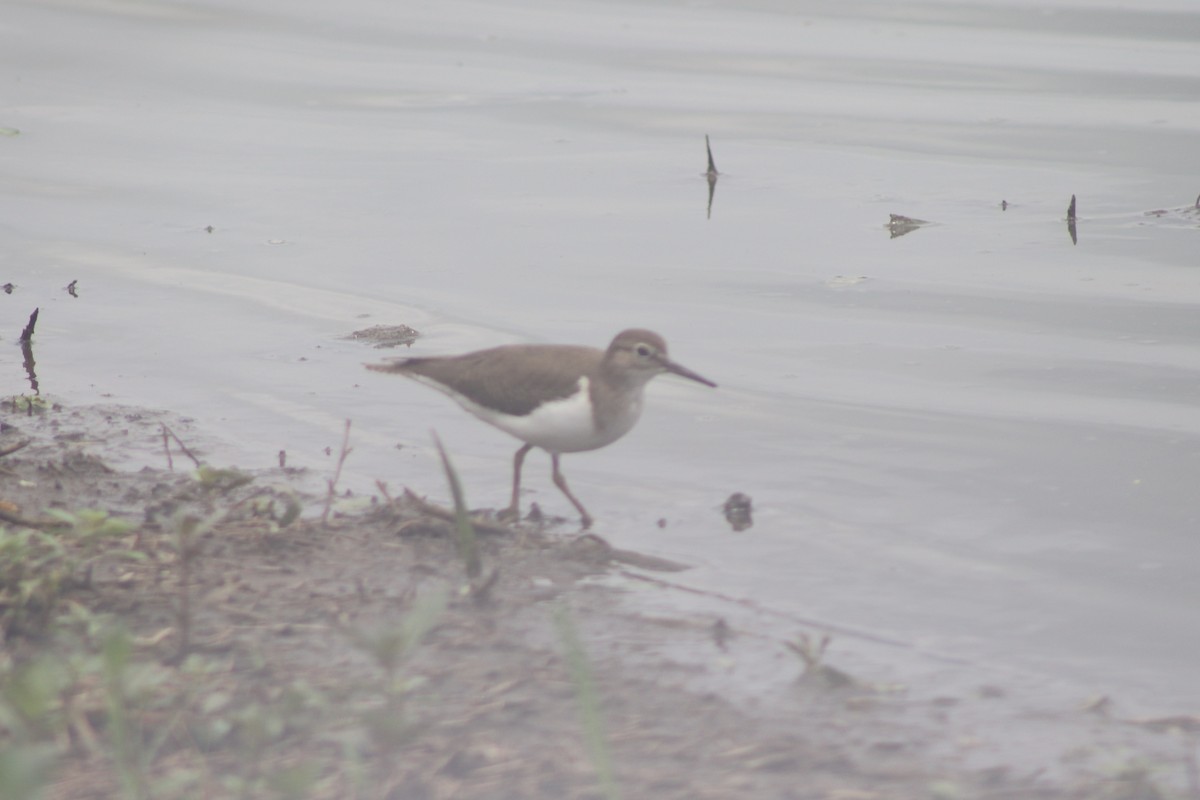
(561, 398)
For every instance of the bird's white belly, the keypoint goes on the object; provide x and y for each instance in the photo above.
(561, 426)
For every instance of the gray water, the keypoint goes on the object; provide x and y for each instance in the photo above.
(979, 439)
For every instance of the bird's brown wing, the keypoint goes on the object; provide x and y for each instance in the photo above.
(493, 378)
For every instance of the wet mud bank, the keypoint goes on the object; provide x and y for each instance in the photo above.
(181, 631)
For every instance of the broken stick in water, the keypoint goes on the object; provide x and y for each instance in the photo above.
(27, 334)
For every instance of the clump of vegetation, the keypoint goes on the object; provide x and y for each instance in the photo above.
(39, 567)
(168, 714)
(385, 719)
(33, 570)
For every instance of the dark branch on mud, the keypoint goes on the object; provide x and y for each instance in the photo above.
(167, 432)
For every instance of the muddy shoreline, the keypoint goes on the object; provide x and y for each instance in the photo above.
(217, 644)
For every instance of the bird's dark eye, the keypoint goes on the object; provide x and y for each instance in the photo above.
(643, 350)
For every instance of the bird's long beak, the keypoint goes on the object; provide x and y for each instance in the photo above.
(684, 372)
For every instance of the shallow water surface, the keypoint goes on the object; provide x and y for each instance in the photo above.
(979, 439)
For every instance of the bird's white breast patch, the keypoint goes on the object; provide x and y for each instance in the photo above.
(560, 426)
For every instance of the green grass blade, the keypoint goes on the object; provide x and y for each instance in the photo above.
(589, 702)
(468, 546)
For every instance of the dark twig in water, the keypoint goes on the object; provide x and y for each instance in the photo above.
(71, 288)
(26, 340)
(168, 432)
(337, 474)
(711, 175)
(27, 333)
(30, 365)
(1071, 222)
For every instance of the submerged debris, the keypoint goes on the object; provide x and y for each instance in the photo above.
(380, 336)
(816, 672)
(842, 281)
(737, 511)
(721, 634)
(1187, 211)
(898, 224)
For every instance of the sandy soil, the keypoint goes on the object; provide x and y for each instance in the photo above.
(354, 657)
